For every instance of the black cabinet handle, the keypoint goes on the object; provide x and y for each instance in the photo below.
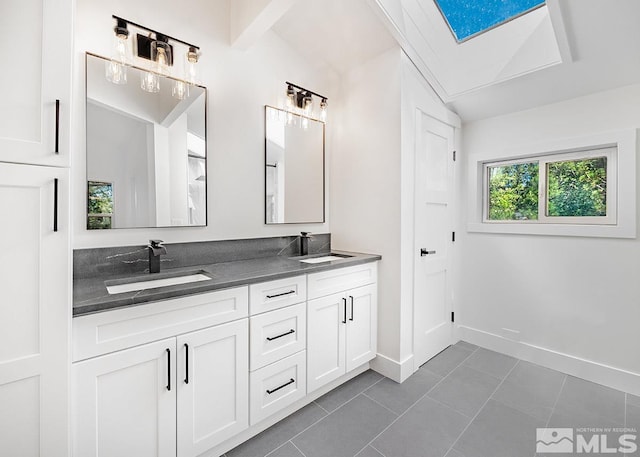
(57, 150)
(55, 204)
(424, 252)
(186, 362)
(291, 381)
(351, 297)
(271, 338)
(344, 302)
(168, 369)
(280, 295)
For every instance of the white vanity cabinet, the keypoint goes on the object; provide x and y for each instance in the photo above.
(36, 43)
(35, 314)
(341, 326)
(185, 393)
(277, 345)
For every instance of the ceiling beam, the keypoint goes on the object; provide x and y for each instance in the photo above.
(250, 19)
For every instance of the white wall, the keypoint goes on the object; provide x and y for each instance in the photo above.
(240, 83)
(372, 181)
(574, 301)
(365, 181)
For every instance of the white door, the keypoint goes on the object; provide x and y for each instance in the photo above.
(213, 386)
(326, 325)
(432, 306)
(362, 325)
(125, 403)
(34, 311)
(36, 46)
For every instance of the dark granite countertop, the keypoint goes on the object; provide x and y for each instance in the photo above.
(90, 294)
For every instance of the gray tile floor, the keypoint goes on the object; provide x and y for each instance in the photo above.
(465, 402)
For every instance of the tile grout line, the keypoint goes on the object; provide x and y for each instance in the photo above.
(482, 407)
(380, 404)
(342, 404)
(370, 443)
(375, 449)
(323, 417)
(320, 406)
(555, 403)
(299, 450)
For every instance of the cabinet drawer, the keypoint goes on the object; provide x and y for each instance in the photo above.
(277, 385)
(110, 331)
(267, 296)
(277, 334)
(341, 279)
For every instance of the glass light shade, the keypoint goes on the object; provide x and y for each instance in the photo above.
(191, 66)
(323, 110)
(180, 90)
(150, 82)
(161, 53)
(116, 68)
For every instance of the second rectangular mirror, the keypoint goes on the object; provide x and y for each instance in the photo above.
(294, 168)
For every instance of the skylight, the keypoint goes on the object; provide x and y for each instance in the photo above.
(468, 18)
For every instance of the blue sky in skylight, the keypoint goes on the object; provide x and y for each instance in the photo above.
(470, 17)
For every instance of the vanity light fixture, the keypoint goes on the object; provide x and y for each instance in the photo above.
(302, 99)
(157, 47)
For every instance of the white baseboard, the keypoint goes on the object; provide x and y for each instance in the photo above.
(615, 378)
(392, 369)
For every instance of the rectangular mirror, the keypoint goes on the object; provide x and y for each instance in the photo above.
(294, 168)
(146, 152)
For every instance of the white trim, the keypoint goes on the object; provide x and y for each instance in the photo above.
(590, 370)
(624, 140)
(392, 369)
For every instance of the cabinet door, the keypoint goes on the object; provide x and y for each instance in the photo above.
(35, 311)
(325, 340)
(125, 403)
(213, 386)
(36, 38)
(362, 325)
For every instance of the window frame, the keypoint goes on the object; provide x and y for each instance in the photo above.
(626, 142)
(610, 153)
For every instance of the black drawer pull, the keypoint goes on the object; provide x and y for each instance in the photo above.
(57, 151)
(168, 369)
(424, 252)
(351, 297)
(281, 294)
(271, 338)
(55, 204)
(186, 360)
(344, 302)
(291, 381)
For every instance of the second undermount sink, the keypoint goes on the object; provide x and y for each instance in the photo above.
(325, 258)
(127, 285)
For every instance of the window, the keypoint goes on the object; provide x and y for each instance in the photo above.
(468, 18)
(565, 188)
(99, 205)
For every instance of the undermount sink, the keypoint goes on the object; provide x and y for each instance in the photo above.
(325, 258)
(126, 285)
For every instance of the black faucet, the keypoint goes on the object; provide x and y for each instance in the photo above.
(155, 251)
(304, 243)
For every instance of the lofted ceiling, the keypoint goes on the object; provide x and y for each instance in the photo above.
(598, 49)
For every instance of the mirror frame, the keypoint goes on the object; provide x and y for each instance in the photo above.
(206, 157)
(324, 171)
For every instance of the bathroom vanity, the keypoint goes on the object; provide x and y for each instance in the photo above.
(197, 368)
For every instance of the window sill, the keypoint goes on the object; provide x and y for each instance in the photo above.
(598, 231)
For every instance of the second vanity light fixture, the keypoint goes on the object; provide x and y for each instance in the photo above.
(157, 48)
(302, 99)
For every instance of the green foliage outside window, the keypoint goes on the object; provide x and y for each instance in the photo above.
(99, 205)
(577, 188)
(513, 192)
